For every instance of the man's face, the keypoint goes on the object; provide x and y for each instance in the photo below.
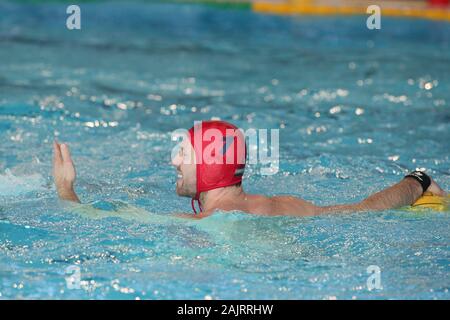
(184, 162)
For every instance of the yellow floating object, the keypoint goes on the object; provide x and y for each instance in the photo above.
(430, 201)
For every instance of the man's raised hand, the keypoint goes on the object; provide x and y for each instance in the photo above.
(64, 173)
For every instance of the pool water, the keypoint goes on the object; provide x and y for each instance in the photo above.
(356, 110)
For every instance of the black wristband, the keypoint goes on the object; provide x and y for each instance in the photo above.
(421, 177)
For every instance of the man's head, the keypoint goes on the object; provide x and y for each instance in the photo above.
(211, 156)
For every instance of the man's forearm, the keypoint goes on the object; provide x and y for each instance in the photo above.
(404, 193)
(68, 194)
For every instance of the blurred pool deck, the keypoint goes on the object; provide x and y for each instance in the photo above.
(421, 9)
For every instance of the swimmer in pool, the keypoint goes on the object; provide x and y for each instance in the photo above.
(210, 172)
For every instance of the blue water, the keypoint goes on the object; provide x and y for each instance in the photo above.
(356, 110)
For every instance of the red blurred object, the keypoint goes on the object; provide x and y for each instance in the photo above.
(439, 2)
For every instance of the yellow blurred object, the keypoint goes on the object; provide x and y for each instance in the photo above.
(397, 8)
(430, 201)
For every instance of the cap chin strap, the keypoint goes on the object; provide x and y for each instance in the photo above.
(199, 205)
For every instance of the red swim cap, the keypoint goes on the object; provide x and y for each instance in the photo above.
(220, 155)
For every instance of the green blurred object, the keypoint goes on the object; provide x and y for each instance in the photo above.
(242, 5)
(236, 4)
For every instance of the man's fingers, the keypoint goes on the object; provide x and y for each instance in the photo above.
(435, 189)
(439, 193)
(65, 153)
(57, 157)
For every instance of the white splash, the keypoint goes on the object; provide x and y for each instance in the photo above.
(11, 185)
